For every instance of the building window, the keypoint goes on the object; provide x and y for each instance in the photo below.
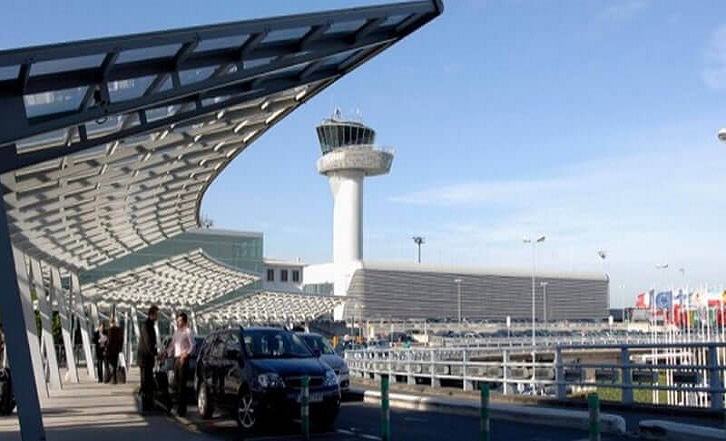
(283, 275)
(270, 275)
(295, 275)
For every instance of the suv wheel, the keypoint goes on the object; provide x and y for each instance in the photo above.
(204, 406)
(246, 417)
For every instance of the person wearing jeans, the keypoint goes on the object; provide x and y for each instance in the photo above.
(181, 347)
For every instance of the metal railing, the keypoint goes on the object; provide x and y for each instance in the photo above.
(676, 373)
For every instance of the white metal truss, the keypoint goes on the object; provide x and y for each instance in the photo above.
(185, 281)
(269, 306)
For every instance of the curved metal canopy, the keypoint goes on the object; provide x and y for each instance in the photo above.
(268, 306)
(188, 280)
(107, 146)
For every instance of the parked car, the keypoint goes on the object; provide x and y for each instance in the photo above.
(325, 352)
(255, 374)
(165, 372)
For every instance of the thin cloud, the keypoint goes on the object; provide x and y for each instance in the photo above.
(643, 208)
(624, 10)
(714, 74)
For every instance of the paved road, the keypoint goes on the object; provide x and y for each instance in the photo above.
(362, 421)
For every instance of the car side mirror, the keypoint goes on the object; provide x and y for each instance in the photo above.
(317, 353)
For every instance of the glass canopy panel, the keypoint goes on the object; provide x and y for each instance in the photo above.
(395, 20)
(9, 72)
(336, 59)
(161, 112)
(230, 42)
(257, 62)
(130, 89)
(346, 26)
(103, 127)
(148, 53)
(47, 103)
(286, 34)
(66, 64)
(195, 75)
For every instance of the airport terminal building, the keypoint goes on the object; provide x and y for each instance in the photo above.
(401, 291)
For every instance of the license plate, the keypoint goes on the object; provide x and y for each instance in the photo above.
(316, 397)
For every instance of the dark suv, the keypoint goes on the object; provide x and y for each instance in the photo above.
(256, 372)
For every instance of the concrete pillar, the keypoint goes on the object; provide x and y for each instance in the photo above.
(19, 332)
(46, 320)
(83, 322)
(60, 297)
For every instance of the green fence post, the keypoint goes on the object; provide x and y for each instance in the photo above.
(485, 412)
(593, 403)
(305, 407)
(385, 410)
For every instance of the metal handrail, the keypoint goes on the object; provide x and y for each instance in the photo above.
(688, 373)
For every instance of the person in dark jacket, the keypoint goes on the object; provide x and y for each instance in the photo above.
(113, 348)
(100, 339)
(147, 354)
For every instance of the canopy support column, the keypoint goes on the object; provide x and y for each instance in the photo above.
(17, 338)
(83, 323)
(135, 324)
(31, 328)
(46, 320)
(193, 322)
(66, 326)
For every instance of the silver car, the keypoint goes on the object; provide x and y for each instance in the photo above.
(327, 355)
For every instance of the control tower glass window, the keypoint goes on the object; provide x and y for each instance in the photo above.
(332, 135)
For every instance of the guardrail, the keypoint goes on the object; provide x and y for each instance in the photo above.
(679, 373)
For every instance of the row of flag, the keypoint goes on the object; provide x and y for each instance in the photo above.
(669, 299)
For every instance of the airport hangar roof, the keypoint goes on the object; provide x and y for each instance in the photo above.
(107, 146)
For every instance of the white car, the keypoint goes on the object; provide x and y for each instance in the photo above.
(327, 355)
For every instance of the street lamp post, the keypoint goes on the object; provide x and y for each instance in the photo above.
(544, 301)
(418, 240)
(458, 294)
(534, 293)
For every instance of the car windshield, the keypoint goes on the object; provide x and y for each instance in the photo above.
(274, 343)
(317, 342)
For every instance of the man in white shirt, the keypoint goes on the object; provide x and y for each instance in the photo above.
(182, 345)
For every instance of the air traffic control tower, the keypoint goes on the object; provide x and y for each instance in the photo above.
(349, 155)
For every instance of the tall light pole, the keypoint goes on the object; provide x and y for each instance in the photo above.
(458, 293)
(544, 300)
(418, 240)
(534, 271)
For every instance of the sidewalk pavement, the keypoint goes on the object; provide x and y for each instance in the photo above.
(89, 411)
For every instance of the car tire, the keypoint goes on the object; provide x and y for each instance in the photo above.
(204, 404)
(245, 414)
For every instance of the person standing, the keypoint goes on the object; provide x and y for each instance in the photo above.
(113, 348)
(99, 341)
(181, 347)
(146, 356)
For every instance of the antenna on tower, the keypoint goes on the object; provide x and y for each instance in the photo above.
(337, 114)
(359, 115)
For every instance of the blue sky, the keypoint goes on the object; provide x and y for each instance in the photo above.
(592, 122)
